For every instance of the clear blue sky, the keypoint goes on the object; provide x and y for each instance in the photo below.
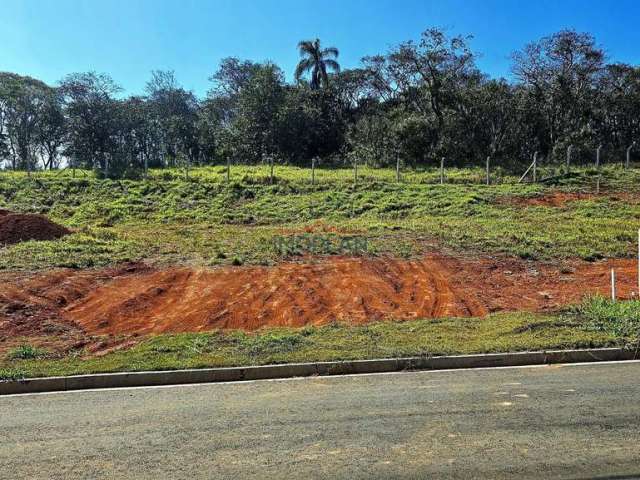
(128, 38)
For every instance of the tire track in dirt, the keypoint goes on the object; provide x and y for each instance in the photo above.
(141, 300)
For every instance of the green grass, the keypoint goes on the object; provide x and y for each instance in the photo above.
(496, 333)
(205, 221)
(620, 318)
(27, 352)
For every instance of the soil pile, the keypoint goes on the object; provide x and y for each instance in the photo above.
(16, 227)
(137, 299)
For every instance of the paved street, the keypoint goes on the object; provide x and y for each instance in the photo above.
(548, 422)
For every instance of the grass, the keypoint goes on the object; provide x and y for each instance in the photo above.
(27, 352)
(496, 333)
(205, 221)
(620, 318)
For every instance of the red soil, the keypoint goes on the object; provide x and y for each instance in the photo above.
(555, 199)
(16, 227)
(560, 199)
(138, 300)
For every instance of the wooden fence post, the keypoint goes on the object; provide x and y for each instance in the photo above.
(442, 171)
(397, 166)
(535, 167)
(569, 150)
(228, 168)
(313, 171)
(613, 285)
(598, 150)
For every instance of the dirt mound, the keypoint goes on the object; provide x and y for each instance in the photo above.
(16, 227)
(139, 300)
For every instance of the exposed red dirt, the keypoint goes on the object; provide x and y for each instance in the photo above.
(555, 199)
(138, 300)
(17, 227)
(560, 199)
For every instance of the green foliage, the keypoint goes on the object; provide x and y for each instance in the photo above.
(207, 221)
(620, 318)
(10, 374)
(27, 352)
(495, 333)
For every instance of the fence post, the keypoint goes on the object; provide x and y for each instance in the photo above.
(355, 171)
(442, 171)
(598, 150)
(271, 168)
(628, 160)
(535, 167)
(228, 168)
(569, 150)
(397, 165)
(488, 178)
(146, 168)
(313, 171)
(613, 285)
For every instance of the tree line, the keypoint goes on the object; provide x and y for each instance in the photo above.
(419, 102)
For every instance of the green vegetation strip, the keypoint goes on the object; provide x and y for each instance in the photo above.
(506, 332)
(206, 221)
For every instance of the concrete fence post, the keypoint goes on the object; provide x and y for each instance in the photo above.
(313, 171)
(488, 165)
(397, 165)
(270, 168)
(355, 171)
(535, 167)
(598, 150)
(628, 159)
(569, 150)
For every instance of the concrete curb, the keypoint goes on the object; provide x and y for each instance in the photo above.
(233, 374)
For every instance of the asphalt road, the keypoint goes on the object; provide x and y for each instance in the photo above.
(546, 422)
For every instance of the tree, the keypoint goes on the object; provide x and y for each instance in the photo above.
(425, 78)
(560, 72)
(254, 129)
(317, 61)
(175, 115)
(93, 116)
(22, 100)
(51, 131)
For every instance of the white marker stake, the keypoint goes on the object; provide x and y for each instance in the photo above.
(613, 285)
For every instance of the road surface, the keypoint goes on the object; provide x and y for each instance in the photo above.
(573, 421)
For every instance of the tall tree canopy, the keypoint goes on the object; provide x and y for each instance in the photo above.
(419, 101)
(317, 61)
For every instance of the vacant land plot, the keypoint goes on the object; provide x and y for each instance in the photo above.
(168, 256)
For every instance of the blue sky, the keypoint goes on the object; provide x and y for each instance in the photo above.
(128, 38)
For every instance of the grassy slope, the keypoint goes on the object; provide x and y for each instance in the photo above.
(205, 221)
(496, 333)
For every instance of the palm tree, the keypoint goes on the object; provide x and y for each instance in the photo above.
(316, 60)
